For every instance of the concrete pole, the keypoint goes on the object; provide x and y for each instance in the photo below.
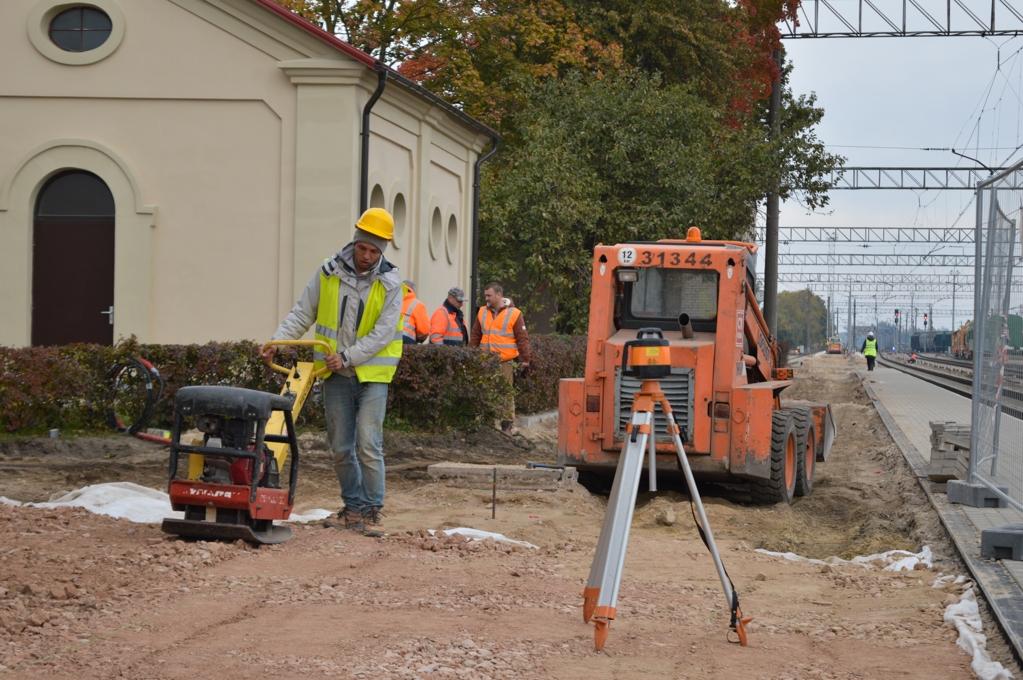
(848, 323)
(930, 328)
(852, 333)
(773, 208)
(954, 275)
(912, 316)
(829, 318)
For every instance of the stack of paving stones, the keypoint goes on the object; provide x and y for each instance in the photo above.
(950, 452)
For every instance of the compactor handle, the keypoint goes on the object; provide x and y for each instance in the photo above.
(316, 344)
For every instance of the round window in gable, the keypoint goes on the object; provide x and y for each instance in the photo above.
(80, 29)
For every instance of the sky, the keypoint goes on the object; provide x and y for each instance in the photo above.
(959, 92)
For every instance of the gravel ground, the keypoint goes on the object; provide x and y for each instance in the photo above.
(85, 596)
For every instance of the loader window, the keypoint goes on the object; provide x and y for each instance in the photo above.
(659, 295)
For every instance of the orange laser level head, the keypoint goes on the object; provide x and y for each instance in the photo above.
(648, 357)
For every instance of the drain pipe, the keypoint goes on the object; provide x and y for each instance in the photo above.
(364, 169)
(495, 142)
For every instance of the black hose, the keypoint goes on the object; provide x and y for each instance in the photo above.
(121, 376)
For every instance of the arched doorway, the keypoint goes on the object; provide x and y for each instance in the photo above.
(73, 261)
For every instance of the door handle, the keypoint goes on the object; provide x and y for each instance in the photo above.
(109, 311)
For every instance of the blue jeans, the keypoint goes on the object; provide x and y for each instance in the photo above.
(355, 434)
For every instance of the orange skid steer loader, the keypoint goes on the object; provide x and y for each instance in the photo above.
(724, 384)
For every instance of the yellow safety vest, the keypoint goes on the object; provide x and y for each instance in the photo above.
(382, 366)
(871, 349)
(498, 332)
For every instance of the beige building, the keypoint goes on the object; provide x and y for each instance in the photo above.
(177, 169)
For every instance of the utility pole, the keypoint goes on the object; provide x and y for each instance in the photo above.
(829, 318)
(773, 208)
(898, 333)
(852, 334)
(955, 274)
(912, 316)
(930, 328)
(848, 323)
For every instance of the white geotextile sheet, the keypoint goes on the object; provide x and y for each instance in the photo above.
(963, 615)
(135, 503)
(893, 560)
(480, 535)
(125, 500)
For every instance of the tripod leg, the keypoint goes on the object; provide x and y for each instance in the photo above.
(651, 473)
(738, 622)
(601, 594)
(592, 589)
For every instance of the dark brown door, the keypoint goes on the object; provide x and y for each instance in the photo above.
(73, 261)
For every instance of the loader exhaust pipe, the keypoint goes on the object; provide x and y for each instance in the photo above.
(685, 325)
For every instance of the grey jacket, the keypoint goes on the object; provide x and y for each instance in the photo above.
(353, 294)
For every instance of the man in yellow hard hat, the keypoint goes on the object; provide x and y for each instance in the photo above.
(354, 299)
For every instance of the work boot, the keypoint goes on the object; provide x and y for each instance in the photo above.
(347, 519)
(372, 519)
(373, 516)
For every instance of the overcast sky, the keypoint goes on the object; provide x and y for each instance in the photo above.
(908, 92)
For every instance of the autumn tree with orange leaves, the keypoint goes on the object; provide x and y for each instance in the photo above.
(622, 119)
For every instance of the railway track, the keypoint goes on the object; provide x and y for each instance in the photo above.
(1013, 369)
(961, 384)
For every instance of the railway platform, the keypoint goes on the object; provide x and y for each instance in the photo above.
(908, 405)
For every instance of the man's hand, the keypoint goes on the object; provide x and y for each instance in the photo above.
(268, 354)
(334, 362)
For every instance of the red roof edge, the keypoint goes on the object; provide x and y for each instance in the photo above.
(374, 63)
(314, 30)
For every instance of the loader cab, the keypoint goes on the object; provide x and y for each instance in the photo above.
(653, 297)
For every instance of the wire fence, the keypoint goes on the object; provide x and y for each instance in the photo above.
(996, 439)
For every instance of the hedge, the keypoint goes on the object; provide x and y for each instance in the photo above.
(436, 388)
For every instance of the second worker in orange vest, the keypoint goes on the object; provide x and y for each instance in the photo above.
(500, 328)
(415, 324)
(447, 325)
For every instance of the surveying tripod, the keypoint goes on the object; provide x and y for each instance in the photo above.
(648, 358)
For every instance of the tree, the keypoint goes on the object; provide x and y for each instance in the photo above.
(723, 49)
(802, 319)
(616, 159)
(622, 120)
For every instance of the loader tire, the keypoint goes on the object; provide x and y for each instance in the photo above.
(806, 450)
(781, 487)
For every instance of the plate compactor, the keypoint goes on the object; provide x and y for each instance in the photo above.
(232, 483)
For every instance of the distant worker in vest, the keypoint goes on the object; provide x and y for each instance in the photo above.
(414, 322)
(354, 299)
(447, 325)
(869, 350)
(500, 328)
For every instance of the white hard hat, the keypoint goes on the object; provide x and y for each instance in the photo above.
(870, 335)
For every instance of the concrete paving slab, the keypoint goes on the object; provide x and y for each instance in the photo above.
(506, 477)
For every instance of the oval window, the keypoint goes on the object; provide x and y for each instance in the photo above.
(436, 238)
(451, 242)
(80, 29)
(399, 220)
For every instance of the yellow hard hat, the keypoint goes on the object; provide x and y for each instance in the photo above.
(378, 222)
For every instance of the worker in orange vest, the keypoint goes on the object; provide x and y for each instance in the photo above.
(500, 328)
(447, 325)
(415, 324)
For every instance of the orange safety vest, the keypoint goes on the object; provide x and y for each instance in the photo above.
(444, 328)
(409, 313)
(499, 331)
